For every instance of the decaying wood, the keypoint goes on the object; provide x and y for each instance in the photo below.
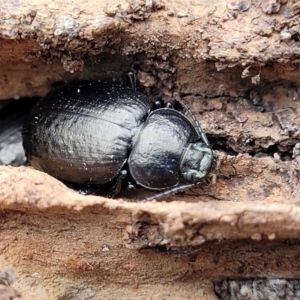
(236, 65)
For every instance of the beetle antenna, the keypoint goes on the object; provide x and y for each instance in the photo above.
(200, 132)
(169, 192)
(132, 80)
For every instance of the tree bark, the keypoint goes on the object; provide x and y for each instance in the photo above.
(236, 65)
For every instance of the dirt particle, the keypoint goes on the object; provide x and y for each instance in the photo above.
(29, 254)
(276, 155)
(105, 248)
(271, 236)
(111, 10)
(74, 262)
(146, 79)
(296, 150)
(182, 14)
(255, 79)
(239, 5)
(170, 13)
(270, 6)
(245, 73)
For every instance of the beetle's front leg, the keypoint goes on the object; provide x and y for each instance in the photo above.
(161, 104)
(129, 79)
(110, 189)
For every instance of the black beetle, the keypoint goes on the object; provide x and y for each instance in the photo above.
(90, 132)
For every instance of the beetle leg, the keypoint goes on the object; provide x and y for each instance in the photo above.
(133, 186)
(174, 190)
(161, 104)
(157, 104)
(90, 189)
(109, 189)
(118, 184)
(213, 178)
(128, 79)
(132, 80)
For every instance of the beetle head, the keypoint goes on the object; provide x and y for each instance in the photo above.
(196, 162)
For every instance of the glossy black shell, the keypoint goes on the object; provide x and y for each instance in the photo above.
(155, 158)
(83, 132)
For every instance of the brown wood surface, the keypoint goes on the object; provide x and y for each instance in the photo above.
(236, 65)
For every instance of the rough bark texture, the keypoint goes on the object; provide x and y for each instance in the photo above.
(236, 65)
